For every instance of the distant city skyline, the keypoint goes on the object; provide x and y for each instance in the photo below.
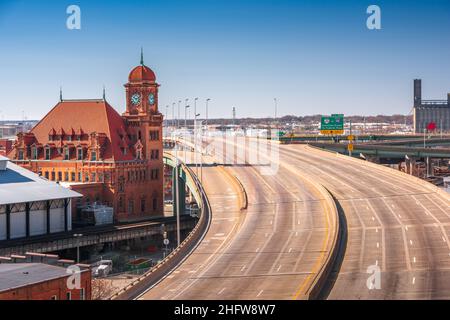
(315, 57)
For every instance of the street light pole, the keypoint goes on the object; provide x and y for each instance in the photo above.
(207, 102)
(167, 115)
(177, 195)
(178, 118)
(195, 143)
(185, 128)
(173, 114)
(78, 236)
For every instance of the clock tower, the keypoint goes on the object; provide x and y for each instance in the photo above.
(144, 128)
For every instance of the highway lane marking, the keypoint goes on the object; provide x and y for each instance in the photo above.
(414, 280)
(243, 268)
(414, 259)
(383, 236)
(290, 250)
(279, 267)
(405, 243)
(221, 291)
(319, 261)
(411, 242)
(378, 245)
(406, 228)
(260, 293)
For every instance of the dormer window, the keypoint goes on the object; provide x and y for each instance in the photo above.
(93, 155)
(138, 155)
(20, 155)
(47, 153)
(66, 153)
(34, 153)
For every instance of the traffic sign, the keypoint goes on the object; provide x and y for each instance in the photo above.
(335, 122)
(332, 132)
(166, 242)
(350, 147)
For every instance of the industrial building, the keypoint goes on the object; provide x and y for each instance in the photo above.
(30, 205)
(427, 112)
(36, 276)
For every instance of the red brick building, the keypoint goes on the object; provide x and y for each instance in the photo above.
(39, 281)
(111, 159)
(5, 146)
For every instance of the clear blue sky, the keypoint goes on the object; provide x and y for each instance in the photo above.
(314, 56)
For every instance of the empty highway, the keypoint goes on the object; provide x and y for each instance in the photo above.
(273, 249)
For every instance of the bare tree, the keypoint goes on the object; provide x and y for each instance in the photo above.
(102, 289)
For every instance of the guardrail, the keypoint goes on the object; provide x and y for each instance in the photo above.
(319, 277)
(243, 199)
(159, 272)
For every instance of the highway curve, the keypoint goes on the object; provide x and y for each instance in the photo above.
(273, 250)
(393, 221)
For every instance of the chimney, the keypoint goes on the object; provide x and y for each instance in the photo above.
(417, 92)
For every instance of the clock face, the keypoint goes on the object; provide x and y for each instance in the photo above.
(136, 99)
(151, 99)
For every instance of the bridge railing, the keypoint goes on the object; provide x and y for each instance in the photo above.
(160, 271)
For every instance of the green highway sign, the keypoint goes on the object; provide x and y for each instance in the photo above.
(333, 123)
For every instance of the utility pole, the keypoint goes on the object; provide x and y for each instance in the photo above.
(234, 115)
(177, 195)
(207, 102)
(178, 118)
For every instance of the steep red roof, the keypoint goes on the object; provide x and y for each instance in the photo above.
(87, 116)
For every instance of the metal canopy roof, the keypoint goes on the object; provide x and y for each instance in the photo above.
(18, 185)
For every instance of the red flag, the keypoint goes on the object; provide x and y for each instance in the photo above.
(431, 126)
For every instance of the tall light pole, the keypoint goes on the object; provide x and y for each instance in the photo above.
(178, 118)
(195, 143)
(78, 236)
(177, 194)
(167, 115)
(207, 105)
(185, 128)
(276, 108)
(173, 114)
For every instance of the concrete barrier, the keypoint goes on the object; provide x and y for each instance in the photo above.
(319, 277)
(159, 272)
(243, 200)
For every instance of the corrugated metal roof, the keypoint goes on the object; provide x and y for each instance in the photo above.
(18, 185)
(16, 275)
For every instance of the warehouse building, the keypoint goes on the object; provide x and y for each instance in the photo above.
(30, 205)
(428, 112)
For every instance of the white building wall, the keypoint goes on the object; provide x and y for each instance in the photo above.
(2, 226)
(69, 215)
(57, 220)
(38, 222)
(18, 225)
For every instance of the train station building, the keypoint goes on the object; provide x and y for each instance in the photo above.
(111, 159)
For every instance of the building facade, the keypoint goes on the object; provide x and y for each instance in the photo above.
(114, 160)
(430, 111)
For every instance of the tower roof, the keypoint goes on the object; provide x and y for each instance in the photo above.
(142, 73)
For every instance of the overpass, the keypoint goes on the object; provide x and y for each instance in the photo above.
(386, 151)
